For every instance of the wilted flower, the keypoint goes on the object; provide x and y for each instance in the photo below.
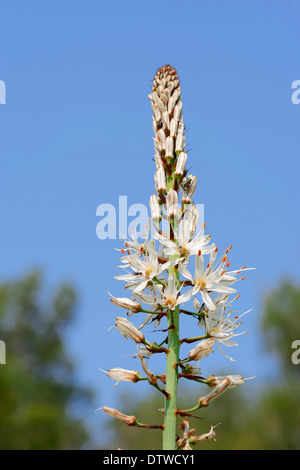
(130, 420)
(122, 374)
(127, 329)
(202, 349)
(126, 303)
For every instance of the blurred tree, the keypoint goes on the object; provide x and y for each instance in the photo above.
(267, 418)
(37, 387)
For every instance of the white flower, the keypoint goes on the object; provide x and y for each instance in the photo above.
(185, 244)
(164, 298)
(146, 267)
(211, 279)
(221, 328)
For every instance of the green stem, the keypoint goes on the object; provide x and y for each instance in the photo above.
(169, 433)
(170, 414)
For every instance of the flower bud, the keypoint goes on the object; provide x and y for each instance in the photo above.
(169, 148)
(180, 142)
(202, 349)
(173, 127)
(172, 203)
(160, 179)
(157, 115)
(177, 111)
(161, 105)
(166, 119)
(127, 329)
(161, 137)
(129, 304)
(130, 420)
(158, 161)
(155, 209)
(180, 164)
(171, 104)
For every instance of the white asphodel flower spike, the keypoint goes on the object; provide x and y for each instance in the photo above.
(159, 278)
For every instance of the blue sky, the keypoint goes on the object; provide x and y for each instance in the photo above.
(76, 132)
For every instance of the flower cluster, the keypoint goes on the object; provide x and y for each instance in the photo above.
(156, 272)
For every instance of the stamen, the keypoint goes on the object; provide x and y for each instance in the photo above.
(242, 278)
(199, 252)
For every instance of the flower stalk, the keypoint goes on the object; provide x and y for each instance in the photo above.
(161, 283)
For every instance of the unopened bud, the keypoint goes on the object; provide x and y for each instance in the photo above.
(180, 164)
(173, 127)
(169, 148)
(160, 180)
(177, 110)
(155, 208)
(161, 137)
(172, 203)
(180, 143)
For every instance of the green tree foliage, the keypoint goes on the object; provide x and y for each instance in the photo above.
(267, 418)
(37, 389)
